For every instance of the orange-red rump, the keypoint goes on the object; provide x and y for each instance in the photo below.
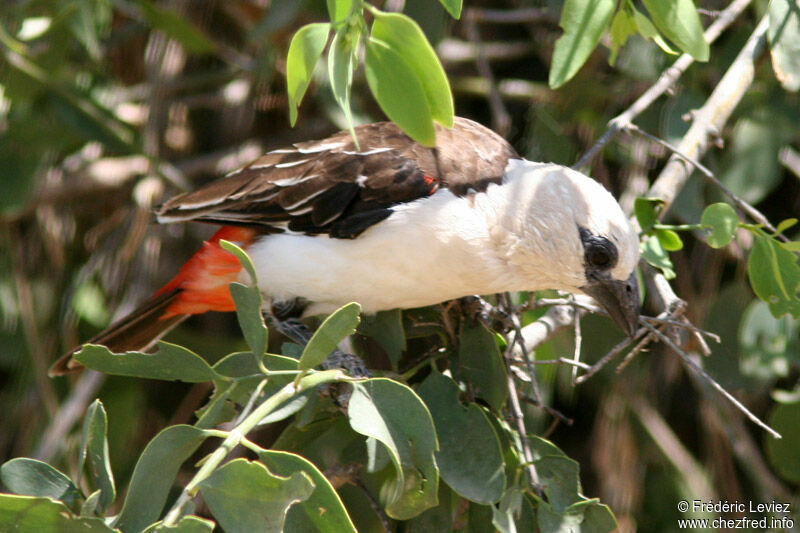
(203, 281)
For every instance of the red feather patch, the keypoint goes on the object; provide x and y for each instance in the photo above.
(203, 281)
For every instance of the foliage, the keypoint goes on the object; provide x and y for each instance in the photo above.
(104, 105)
(402, 70)
(411, 437)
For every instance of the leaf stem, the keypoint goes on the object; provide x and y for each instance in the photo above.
(238, 434)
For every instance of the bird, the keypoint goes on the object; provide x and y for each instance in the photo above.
(390, 223)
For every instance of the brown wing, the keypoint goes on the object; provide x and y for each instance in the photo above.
(331, 187)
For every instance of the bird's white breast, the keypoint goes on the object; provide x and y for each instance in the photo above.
(426, 252)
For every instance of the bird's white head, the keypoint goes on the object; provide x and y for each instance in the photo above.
(565, 231)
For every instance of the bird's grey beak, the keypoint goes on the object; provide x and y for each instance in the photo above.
(619, 298)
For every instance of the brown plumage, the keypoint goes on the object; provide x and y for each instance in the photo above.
(331, 187)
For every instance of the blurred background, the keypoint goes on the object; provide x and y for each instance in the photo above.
(108, 107)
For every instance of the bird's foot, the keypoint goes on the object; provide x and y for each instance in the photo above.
(491, 316)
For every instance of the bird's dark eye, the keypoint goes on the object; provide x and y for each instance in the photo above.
(598, 256)
(598, 251)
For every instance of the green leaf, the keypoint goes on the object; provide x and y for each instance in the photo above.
(398, 91)
(648, 31)
(587, 516)
(392, 414)
(341, 63)
(680, 22)
(559, 477)
(187, 524)
(323, 510)
(404, 36)
(481, 364)
(43, 515)
(653, 253)
(304, 52)
(782, 453)
(386, 328)
(769, 347)
(179, 28)
(583, 22)
(31, 477)
(453, 7)
(723, 221)
(244, 496)
(170, 362)
(792, 246)
(243, 258)
(94, 446)
(333, 330)
(251, 321)
(338, 10)
(784, 225)
(154, 475)
(774, 275)
(469, 458)
(784, 41)
(669, 240)
(622, 27)
(647, 211)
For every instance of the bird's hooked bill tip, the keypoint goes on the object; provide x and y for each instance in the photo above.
(620, 299)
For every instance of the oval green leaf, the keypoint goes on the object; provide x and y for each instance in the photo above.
(583, 22)
(723, 221)
(251, 321)
(334, 329)
(654, 254)
(304, 52)
(31, 477)
(680, 22)
(338, 10)
(399, 92)
(154, 475)
(28, 513)
(323, 510)
(244, 496)
(782, 453)
(453, 7)
(170, 362)
(395, 416)
(481, 365)
(470, 459)
(670, 240)
(775, 276)
(94, 447)
(404, 36)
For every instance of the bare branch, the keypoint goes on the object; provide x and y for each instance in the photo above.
(694, 366)
(709, 119)
(663, 84)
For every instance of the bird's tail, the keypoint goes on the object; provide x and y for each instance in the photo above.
(201, 285)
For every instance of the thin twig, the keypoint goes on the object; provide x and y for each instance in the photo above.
(513, 395)
(685, 324)
(663, 84)
(694, 366)
(754, 213)
(578, 342)
(68, 413)
(516, 413)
